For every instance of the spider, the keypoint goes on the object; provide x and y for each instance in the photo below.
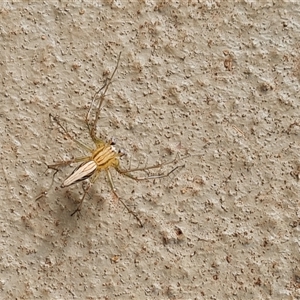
(102, 157)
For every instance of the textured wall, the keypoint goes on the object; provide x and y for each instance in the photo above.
(217, 80)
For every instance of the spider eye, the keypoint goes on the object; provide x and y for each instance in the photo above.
(113, 141)
(121, 152)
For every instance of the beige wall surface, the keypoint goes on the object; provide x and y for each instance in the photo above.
(215, 83)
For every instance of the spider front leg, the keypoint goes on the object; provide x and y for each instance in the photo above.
(92, 125)
(100, 95)
(157, 166)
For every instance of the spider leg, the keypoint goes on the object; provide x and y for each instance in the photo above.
(56, 168)
(68, 135)
(144, 169)
(81, 200)
(45, 192)
(119, 199)
(163, 175)
(101, 92)
(90, 183)
(64, 163)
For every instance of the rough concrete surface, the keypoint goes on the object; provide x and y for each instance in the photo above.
(215, 82)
